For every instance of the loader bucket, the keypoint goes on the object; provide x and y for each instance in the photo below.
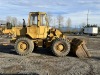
(79, 49)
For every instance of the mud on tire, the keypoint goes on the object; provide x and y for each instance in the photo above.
(60, 47)
(24, 46)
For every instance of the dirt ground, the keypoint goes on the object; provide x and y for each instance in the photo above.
(42, 62)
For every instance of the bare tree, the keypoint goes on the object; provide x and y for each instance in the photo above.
(19, 23)
(9, 19)
(14, 21)
(54, 22)
(60, 20)
(49, 16)
(68, 24)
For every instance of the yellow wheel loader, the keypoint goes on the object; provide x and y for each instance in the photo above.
(38, 34)
(5, 29)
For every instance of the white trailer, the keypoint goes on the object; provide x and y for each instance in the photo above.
(91, 31)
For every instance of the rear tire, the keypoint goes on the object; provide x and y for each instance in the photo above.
(24, 46)
(60, 47)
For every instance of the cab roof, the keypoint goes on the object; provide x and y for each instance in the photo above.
(37, 13)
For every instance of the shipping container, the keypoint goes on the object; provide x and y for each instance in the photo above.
(91, 30)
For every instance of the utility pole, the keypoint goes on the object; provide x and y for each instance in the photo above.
(88, 17)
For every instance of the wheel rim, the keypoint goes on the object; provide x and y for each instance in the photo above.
(23, 46)
(60, 47)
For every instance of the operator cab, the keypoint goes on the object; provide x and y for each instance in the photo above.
(9, 25)
(38, 25)
(37, 18)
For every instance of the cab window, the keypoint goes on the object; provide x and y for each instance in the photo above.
(43, 20)
(9, 25)
(33, 19)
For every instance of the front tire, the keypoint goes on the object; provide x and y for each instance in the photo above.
(24, 46)
(60, 47)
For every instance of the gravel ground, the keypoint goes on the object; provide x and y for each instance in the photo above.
(42, 62)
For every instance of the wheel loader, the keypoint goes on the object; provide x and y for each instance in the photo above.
(5, 29)
(38, 34)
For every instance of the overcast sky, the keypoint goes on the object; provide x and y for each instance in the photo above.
(75, 9)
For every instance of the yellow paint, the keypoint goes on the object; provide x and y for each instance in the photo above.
(37, 29)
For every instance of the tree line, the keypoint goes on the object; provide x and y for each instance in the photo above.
(13, 20)
(57, 22)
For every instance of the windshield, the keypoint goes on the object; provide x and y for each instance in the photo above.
(33, 19)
